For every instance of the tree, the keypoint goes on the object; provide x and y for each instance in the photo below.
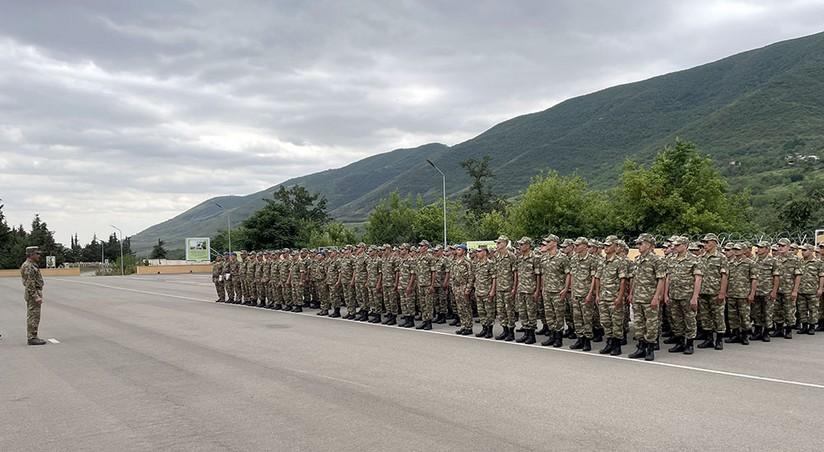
(681, 192)
(158, 251)
(391, 221)
(332, 234)
(220, 241)
(428, 223)
(287, 220)
(479, 198)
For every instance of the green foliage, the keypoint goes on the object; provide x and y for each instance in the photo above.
(287, 221)
(391, 221)
(489, 226)
(240, 241)
(479, 198)
(159, 251)
(681, 192)
(332, 234)
(428, 223)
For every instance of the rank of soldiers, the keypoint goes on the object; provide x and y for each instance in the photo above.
(583, 289)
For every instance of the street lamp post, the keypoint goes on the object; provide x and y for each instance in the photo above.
(122, 270)
(102, 253)
(443, 176)
(228, 225)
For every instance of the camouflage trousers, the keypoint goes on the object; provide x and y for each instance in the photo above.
(505, 306)
(33, 315)
(645, 321)
(807, 307)
(220, 287)
(612, 318)
(683, 319)
(568, 311)
(582, 316)
(626, 317)
(486, 308)
(783, 310)
(390, 300)
(596, 316)
(711, 313)
(275, 293)
(332, 299)
(738, 313)
(251, 290)
(230, 289)
(464, 306)
(297, 294)
(554, 309)
(322, 296)
(761, 312)
(527, 310)
(362, 295)
(375, 300)
(426, 300)
(441, 306)
(263, 291)
(349, 298)
(407, 302)
(285, 294)
(237, 284)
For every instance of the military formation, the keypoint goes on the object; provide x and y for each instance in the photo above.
(583, 289)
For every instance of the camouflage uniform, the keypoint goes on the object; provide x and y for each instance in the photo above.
(262, 280)
(462, 279)
(440, 298)
(33, 285)
(613, 269)
(649, 270)
(554, 270)
(251, 283)
(217, 279)
(297, 270)
(761, 310)
(583, 269)
(284, 270)
(406, 270)
(426, 264)
(243, 268)
(236, 293)
(742, 272)
(362, 281)
(812, 270)
(275, 295)
(528, 267)
(389, 267)
(373, 269)
(682, 273)
(710, 309)
(504, 266)
(320, 295)
(787, 267)
(347, 271)
(484, 274)
(332, 272)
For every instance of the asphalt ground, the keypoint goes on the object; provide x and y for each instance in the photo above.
(152, 363)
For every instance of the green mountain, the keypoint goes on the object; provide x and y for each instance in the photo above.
(753, 112)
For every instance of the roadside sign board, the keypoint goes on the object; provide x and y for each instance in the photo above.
(198, 249)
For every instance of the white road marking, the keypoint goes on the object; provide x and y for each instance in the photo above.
(472, 337)
(53, 341)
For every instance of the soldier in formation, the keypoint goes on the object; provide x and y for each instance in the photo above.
(580, 288)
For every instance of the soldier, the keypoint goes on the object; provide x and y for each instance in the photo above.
(347, 282)
(361, 283)
(262, 278)
(554, 282)
(425, 280)
(527, 272)
(217, 279)
(33, 295)
(285, 288)
(373, 273)
(503, 284)
(785, 293)
(319, 269)
(251, 272)
(406, 286)
(568, 248)
(298, 281)
(583, 268)
(713, 293)
(612, 281)
(484, 274)
(236, 293)
(462, 279)
(767, 278)
(333, 286)
(743, 284)
(646, 294)
(809, 289)
(623, 251)
(682, 292)
(441, 288)
(242, 268)
(388, 283)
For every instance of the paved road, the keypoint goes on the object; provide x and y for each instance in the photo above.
(150, 363)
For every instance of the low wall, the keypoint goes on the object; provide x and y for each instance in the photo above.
(43, 271)
(173, 269)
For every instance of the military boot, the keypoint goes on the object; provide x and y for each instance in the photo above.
(657, 345)
(467, 332)
(688, 350)
(488, 334)
(598, 335)
(811, 330)
(579, 344)
(483, 331)
(679, 345)
(616, 347)
(393, 319)
(441, 318)
(624, 339)
(765, 335)
(708, 342)
(531, 339)
(322, 313)
(756, 333)
(544, 330)
(719, 341)
(503, 334)
(607, 348)
(425, 325)
(570, 333)
(640, 350)
(510, 335)
(559, 339)
(587, 344)
(820, 326)
(375, 318)
(735, 338)
(702, 334)
(524, 337)
(671, 340)
(788, 332)
(650, 356)
(455, 322)
(36, 341)
(778, 331)
(550, 339)
(277, 307)
(335, 313)
(744, 339)
(804, 328)
(297, 308)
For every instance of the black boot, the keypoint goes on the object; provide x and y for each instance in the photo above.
(510, 335)
(701, 334)
(607, 348)
(650, 356)
(765, 335)
(530, 337)
(375, 318)
(679, 345)
(688, 347)
(788, 332)
(335, 313)
(616, 347)
(483, 331)
(559, 339)
(455, 322)
(756, 333)
(804, 328)
(587, 344)
(719, 341)
(671, 340)
(624, 339)
(570, 333)
(811, 330)
(820, 326)
(778, 331)
(277, 307)
(408, 321)
(744, 339)
(735, 338)
(598, 335)
(543, 331)
(297, 308)
(503, 334)
(579, 344)
(36, 341)
(392, 320)
(524, 337)
(489, 332)
(322, 313)
(708, 342)
(657, 345)
(550, 340)
(640, 350)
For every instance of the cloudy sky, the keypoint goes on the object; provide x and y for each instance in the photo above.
(129, 113)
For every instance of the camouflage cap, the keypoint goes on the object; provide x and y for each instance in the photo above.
(710, 236)
(680, 240)
(438, 248)
(567, 242)
(424, 243)
(774, 247)
(502, 238)
(783, 241)
(808, 247)
(31, 250)
(404, 246)
(673, 239)
(361, 245)
(551, 238)
(738, 246)
(482, 248)
(581, 241)
(610, 240)
(793, 246)
(728, 246)
(693, 246)
(461, 246)
(645, 237)
(525, 240)
(763, 244)
(623, 244)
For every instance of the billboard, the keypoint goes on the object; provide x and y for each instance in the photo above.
(198, 249)
(471, 245)
(819, 237)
